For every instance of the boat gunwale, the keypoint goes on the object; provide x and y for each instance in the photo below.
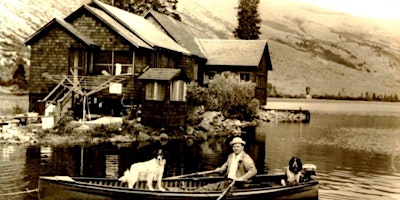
(120, 189)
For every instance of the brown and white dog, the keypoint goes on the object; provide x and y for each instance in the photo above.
(293, 172)
(149, 170)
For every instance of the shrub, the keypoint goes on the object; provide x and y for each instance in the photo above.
(17, 110)
(196, 95)
(106, 131)
(226, 93)
(63, 125)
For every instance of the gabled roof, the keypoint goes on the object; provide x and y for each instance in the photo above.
(161, 74)
(178, 31)
(66, 26)
(233, 52)
(141, 28)
(118, 28)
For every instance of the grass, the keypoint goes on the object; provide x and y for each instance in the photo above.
(12, 104)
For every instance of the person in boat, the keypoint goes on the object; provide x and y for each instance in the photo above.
(239, 167)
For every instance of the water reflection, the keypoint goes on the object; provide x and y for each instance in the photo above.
(45, 154)
(112, 166)
(6, 151)
(357, 157)
(15, 175)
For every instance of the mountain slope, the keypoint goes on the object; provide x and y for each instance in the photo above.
(331, 52)
(21, 18)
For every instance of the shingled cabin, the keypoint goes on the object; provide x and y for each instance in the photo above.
(101, 58)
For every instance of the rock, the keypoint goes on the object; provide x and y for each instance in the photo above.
(190, 130)
(143, 137)
(83, 127)
(233, 126)
(120, 139)
(96, 140)
(212, 122)
(16, 135)
(163, 136)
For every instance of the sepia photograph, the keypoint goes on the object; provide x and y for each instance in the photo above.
(199, 99)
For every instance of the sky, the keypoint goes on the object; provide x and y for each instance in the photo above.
(388, 9)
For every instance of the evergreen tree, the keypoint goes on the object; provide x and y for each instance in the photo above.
(248, 20)
(140, 7)
(19, 77)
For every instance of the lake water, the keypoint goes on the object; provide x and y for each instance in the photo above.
(355, 145)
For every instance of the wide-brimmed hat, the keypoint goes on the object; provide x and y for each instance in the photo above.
(237, 140)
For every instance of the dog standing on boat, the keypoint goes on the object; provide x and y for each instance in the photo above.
(149, 170)
(293, 172)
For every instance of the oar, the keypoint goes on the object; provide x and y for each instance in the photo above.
(226, 190)
(192, 174)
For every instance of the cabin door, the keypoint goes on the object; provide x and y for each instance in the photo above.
(78, 62)
(77, 67)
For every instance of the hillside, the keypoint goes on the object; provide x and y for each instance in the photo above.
(328, 51)
(21, 18)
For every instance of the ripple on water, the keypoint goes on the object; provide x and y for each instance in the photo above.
(341, 184)
(12, 176)
(385, 141)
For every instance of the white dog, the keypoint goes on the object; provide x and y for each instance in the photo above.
(149, 170)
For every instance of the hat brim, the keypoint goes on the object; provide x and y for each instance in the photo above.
(238, 142)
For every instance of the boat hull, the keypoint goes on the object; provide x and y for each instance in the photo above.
(53, 188)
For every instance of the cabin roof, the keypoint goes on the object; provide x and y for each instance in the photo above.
(178, 31)
(233, 52)
(161, 74)
(121, 30)
(66, 26)
(141, 28)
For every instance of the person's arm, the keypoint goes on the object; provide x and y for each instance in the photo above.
(250, 168)
(223, 168)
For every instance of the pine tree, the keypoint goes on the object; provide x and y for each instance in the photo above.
(248, 20)
(140, 7)
(19, 77)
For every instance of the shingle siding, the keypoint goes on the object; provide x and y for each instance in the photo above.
(261, 92)
(164, 114)
(187, 64)
(102, 35)
(50, 55)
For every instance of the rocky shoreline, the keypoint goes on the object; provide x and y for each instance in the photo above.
(118, 130)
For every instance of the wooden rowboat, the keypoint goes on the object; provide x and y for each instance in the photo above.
(265, 186)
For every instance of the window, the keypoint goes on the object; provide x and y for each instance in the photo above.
(245, 76)
(77, 61)
(178, 90)
(155, 91)
(208, 76)
(124, 58)
(107, 61)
